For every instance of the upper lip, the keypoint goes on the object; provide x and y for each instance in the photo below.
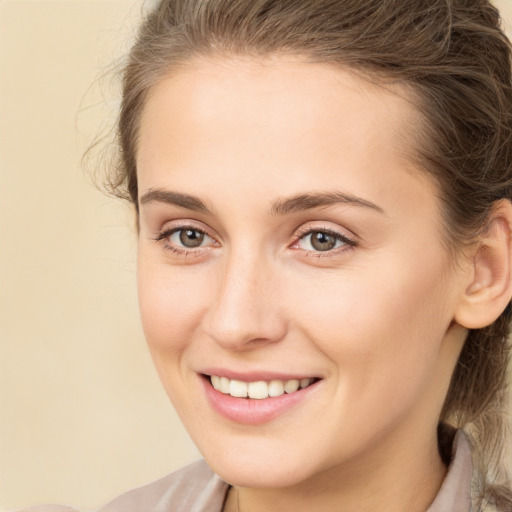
(256, 375)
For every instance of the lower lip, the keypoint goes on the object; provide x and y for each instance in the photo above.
(252, 411)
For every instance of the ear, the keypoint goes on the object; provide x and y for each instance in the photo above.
(489, 285)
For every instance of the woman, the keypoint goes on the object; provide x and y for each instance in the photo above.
(322, 190)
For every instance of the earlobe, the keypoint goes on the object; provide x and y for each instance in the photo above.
(490, 287)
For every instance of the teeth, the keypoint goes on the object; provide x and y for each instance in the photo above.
(260, 389)
(238, 388)
(276, 388)
(216, 382)
(291, 386)
(224, 385)
(304, 383)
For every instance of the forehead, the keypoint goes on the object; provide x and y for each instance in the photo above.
(254, 93)
(266, 121)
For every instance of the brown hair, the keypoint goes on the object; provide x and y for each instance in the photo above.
(454, 57)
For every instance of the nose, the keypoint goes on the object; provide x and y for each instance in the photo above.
(245, 311)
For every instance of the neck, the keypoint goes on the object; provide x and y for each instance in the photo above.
(406, 480)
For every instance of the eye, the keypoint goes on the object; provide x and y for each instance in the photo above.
(322, 240)
(185, 239)
(188, 237)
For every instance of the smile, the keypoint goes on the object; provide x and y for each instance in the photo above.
(257, 401)
(260, 389)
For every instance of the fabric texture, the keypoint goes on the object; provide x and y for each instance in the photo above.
(195, 488)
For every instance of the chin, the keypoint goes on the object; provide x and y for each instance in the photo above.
(274, 471)
(263, 478)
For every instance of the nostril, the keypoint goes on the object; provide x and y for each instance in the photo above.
(244, 313)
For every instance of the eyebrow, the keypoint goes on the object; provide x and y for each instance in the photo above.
(303, 202)
(297, 203)
(175, 198)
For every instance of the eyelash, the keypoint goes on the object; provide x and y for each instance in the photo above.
(161, 237)
(349, 243)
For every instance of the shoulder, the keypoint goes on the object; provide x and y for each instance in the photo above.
(194, 488)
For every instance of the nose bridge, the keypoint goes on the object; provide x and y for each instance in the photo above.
(244, 308)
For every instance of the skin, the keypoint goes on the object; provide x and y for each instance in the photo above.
(376, 320)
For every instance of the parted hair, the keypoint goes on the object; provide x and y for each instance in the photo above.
(456, 60)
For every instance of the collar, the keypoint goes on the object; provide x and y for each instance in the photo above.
(455, 492)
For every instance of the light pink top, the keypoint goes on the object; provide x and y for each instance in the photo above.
(196, 488)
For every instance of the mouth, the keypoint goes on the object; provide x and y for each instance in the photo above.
(257, 401)
(259, 389)
(257, 397)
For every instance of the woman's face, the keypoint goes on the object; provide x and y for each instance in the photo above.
(285, 235)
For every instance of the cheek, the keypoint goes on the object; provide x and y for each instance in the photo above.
(383, 332)
(171, 303)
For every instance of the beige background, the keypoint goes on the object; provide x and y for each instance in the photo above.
(82, 415)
